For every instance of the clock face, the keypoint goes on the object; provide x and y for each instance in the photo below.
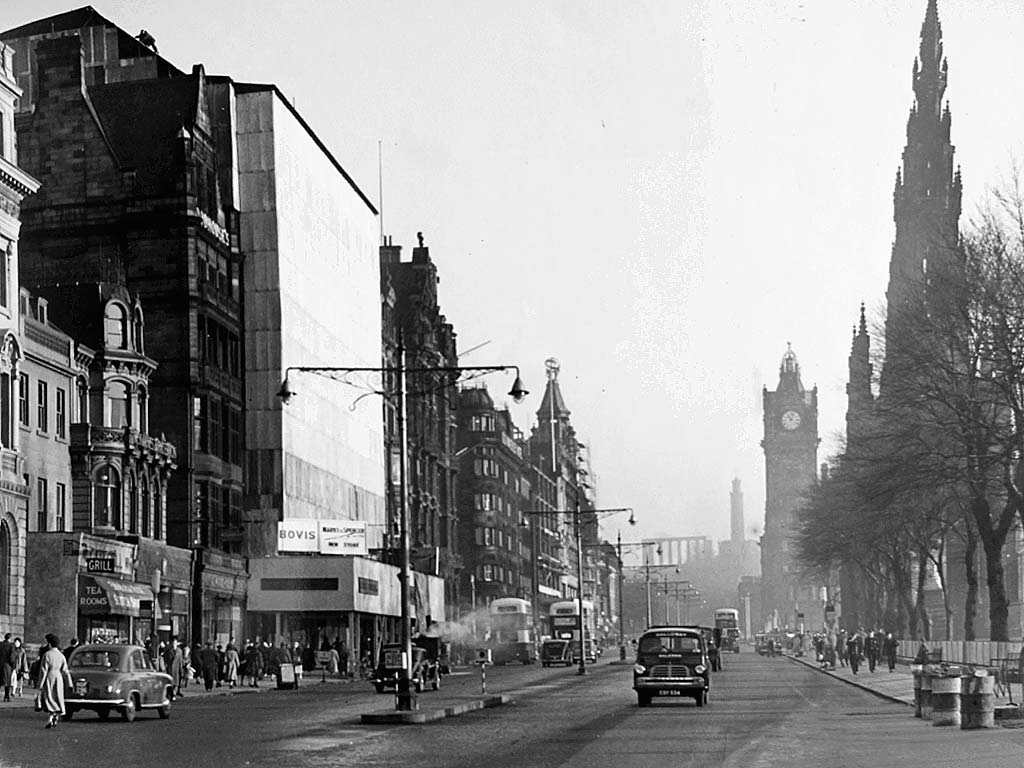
(791, 420)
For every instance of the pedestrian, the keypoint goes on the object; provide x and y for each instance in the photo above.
(174, 660)
(54, 677)
(343, 657)
(186, 665)
(71, 647)
(890, 645)
(7, 665)
(208, 665)
(771, 648)
(20, 662)
(333, 663)
(853, 651)
(231, 664)
(871, 650)
(220, 664)
(253, 665)
(297, 659)
(841, 647)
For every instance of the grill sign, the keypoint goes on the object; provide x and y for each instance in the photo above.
(99, 565)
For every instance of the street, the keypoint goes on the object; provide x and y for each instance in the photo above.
(761, 713)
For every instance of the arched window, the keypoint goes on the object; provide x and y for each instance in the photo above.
(137, 332)
(147, 509)
(82, 388)
(107, 497)
(117, 412)
(143, 411)
(6, 413)
(115, 326)
(6, 583)
(133, 503)
(158, 510)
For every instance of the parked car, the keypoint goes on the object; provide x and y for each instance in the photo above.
(671, 661)
(107, 677)
(555, 652)
(425, 671)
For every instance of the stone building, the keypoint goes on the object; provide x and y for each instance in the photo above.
(15, 184)
(790, 453)
(411, 313)
(131, 194)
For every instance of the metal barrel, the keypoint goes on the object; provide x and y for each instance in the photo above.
(977, 702)
(945, 700)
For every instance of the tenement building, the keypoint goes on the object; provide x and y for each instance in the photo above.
(15, 184)
(412, 320)
(142, 195)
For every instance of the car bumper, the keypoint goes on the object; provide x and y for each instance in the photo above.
(70, 700)
(656, 685)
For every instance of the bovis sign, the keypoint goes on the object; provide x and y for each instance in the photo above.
(298, 536)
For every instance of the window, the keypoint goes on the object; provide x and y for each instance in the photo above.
(236, 437)
(62, 413)
(107, 497)
(133, 504)
(147, 508)
(214, 434)
(487, 572)
(42, 498)
(225, 431)
(5, 257)
(481, 423)
(82, 392)
(115, 326)
(117, 413)
(143, 411)
(199, 423)
(23, 398)
(5, 568)
(60, 506)
(42, 406)
(137, 332)
(6, 406)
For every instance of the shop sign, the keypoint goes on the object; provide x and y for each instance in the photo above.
(99, 564)
(298, 536)
(92, 598)
(344, 537)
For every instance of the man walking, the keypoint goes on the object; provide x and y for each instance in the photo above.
(7, 665)
(174, 661)
(208, 665)
(889, 647)
(853, 651)
(871, 650)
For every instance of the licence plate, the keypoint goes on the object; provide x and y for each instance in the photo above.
(81, 687)
(670, 692)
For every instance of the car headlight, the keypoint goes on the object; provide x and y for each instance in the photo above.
(700, 669)
(110, 689)
(639, 669)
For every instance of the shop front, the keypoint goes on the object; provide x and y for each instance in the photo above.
(316, 599)
(112, 610)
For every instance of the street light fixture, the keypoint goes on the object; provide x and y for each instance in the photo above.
(576, 513)
(405, 699)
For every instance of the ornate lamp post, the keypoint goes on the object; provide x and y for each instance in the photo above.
(405, 699)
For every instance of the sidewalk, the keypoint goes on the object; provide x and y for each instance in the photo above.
(897, 686)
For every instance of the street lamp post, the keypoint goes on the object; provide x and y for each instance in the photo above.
(405, 698)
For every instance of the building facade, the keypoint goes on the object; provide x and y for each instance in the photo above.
(411, 314)
(790, 451)
(15, 185)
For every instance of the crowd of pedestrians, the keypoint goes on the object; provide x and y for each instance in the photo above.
(854, 649)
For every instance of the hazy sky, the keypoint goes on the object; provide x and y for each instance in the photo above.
(659, 194)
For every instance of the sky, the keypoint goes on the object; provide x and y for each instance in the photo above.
(661, 195)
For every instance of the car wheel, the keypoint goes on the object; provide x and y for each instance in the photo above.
(129, 709)
(68, 713)
(643, 699)
(164, 711)
(380, 688)
(418, 686)
(103, 712)
(699, 698)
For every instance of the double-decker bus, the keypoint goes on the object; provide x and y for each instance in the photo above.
(511, 623)
(727, 622)
(564, 625)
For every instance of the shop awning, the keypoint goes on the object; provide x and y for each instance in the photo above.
(122, 598)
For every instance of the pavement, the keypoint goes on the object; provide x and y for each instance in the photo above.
(897, 685)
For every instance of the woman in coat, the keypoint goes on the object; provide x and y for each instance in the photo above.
(54, 675)
(19, 660)
(253, 665)
(231, 663)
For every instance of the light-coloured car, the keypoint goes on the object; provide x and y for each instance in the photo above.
(108, 677)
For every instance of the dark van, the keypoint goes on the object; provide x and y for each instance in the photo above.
(671, 661)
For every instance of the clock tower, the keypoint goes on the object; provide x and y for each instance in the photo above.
(791, 454)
